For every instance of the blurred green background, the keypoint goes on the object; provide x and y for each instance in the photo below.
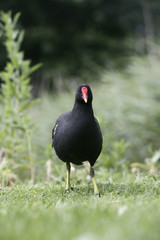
(77, 39)
(113, 46)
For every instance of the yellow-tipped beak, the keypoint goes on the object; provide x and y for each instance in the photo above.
(85, 99)
(84, 94)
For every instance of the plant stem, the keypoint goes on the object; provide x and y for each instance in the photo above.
(30, 156)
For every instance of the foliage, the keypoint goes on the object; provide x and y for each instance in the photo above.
(16, 126)
(151, 165)
(130, 100)
(114, 155)
(41, 211)
(127, 104)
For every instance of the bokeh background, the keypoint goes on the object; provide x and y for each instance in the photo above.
(77, 39)
(114, 46)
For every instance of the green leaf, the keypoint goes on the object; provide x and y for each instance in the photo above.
(12, 89)
(31, 70)
(4, 76)
(139, 165)
(28, 105)
(20, 38)
(15, 19)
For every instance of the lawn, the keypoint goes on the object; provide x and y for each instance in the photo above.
(127, 209)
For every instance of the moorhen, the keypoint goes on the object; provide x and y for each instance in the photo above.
(76, 136)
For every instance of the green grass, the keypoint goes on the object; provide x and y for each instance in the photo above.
(128, 209)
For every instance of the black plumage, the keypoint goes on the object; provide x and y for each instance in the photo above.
(76, 136)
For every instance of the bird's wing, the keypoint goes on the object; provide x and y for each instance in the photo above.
(63, 116)
(54, 130)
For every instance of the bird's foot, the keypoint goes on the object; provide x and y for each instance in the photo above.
(97, 194)
(68, 189)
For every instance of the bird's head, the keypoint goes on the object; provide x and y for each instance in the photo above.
(84, 94)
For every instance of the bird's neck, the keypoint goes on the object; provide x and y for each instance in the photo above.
(81, 108)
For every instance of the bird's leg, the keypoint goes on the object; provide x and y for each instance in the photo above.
(96, 191)
(68, 165)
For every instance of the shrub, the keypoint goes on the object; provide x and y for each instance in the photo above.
(16, 127)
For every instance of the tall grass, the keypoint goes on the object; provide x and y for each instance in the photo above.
(16, 127)
(127, 106)
(132, 106)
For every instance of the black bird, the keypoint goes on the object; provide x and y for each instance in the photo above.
(76, 136)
